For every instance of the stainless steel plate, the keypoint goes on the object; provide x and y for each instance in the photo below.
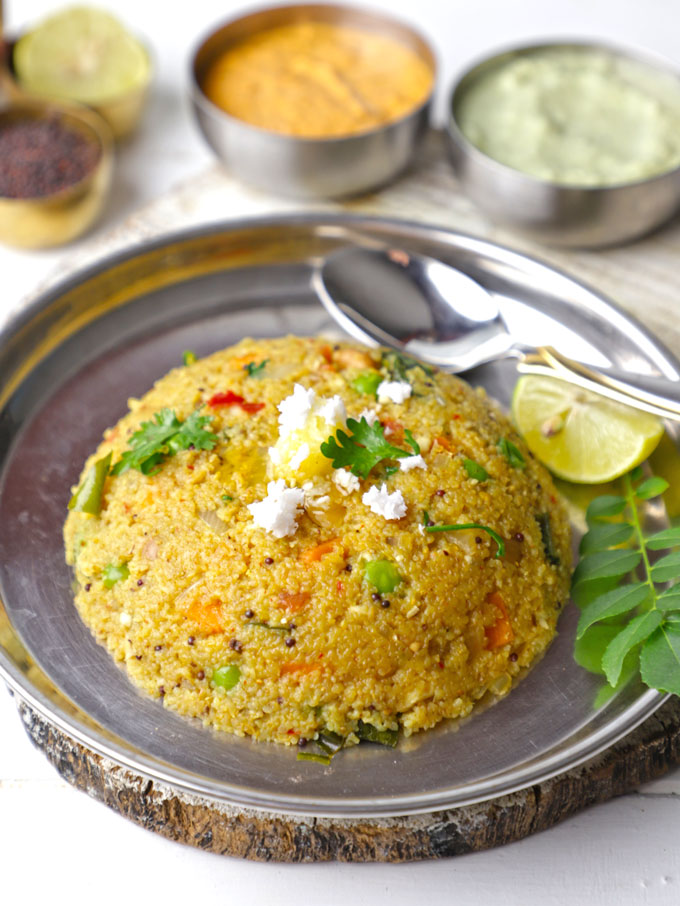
(70, 362)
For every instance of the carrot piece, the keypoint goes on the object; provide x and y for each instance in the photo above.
(313, 554)
(501, 632)
(327, 353)
(444, 442)
(496, 598)
(300, 668)
(241, 360)
(394, 430)
(207, 616)
(292, 602)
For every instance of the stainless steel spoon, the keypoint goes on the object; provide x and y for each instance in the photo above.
(428, 309)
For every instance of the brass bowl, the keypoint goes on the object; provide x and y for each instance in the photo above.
(58, 218)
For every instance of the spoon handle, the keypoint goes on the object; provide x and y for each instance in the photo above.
(658, 395)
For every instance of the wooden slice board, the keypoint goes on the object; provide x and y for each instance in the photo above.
(643, 755)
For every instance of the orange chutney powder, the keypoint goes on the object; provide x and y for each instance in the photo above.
(318, 80)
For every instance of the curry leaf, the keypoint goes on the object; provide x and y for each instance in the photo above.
(666, 568)
(604, 507)
(637, 622)
(591, 645)
(639, 629)
(669, 537)
(605, 535)
(652, 487)
(660, 659)
(612, 604)
(604, 564)
(669, 600)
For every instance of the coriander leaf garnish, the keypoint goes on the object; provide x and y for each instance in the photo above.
(412, 442)
(254, 370)
(163, 436)
(511, 453)
(364, 448)
(637, 621)
(500, 544)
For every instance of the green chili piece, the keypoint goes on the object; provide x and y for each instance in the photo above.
(114, 572)
(226, 677)
(367, 382)
(471, 525)
(188, 357)
(549, 548)
(369, 733)
(226, 498)
(511, 453)
(271, 626)
(314, 756)
(88, 497)
(474, 470)
(383, 574)
(330, 742)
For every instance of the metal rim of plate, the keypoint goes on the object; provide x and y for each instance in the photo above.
(88, 335)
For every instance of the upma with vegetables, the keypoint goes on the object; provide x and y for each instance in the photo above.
(293, 539)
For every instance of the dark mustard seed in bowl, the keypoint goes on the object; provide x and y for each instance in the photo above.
(40, 157)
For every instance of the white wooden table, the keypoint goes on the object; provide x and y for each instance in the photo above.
(54, 840)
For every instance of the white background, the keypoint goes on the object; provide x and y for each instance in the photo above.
(57, 843)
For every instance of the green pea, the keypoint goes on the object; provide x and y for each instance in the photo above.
(113, 573)
(367, 382)
(383, 574)
(188, 357)
(226, 677)
(474, 470)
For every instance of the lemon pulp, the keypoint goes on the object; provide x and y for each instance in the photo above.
(579, 435)
(81, 54)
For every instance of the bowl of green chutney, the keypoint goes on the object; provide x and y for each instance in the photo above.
(569, 143)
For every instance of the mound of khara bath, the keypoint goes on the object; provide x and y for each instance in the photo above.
(290, 537)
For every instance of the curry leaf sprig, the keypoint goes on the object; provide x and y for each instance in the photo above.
(630, 603)
(364, 447)
(163, 436)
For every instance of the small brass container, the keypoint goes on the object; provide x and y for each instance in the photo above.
(58, 218)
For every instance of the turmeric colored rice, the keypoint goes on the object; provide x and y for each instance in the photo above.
(262, 586)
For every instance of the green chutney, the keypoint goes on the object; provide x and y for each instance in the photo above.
(575, 115)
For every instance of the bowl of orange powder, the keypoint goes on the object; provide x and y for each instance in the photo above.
(313, 101)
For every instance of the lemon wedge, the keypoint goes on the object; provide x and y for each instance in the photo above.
(579, 435)
(81, 54)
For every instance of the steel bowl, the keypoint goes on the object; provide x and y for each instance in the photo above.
(304, 167)
(554, 213)
(58, 218)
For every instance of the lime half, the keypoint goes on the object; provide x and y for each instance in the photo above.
(81, 54)
(578, 435)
